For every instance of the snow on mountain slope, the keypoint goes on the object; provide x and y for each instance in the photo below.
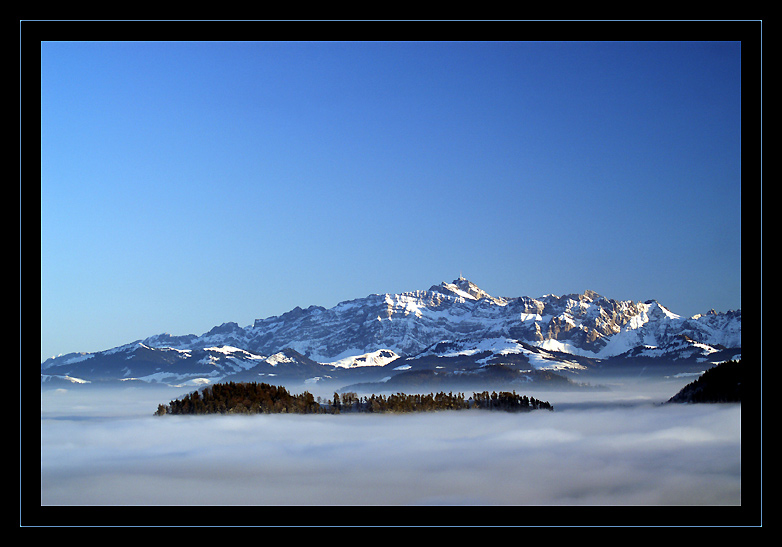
(377, 358)
(494, 351)
(376, 330)
(655, 326)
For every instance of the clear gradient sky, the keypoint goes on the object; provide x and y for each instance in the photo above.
(187, 184)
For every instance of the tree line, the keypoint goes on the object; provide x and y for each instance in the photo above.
(722, 383)
(262, 398)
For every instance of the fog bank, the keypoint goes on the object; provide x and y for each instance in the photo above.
(582, 454)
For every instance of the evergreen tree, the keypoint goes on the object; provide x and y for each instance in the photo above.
(336, 404)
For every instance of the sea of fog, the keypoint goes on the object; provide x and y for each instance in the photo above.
(600, 448)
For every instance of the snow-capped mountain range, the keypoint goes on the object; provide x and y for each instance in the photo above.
(453, 327)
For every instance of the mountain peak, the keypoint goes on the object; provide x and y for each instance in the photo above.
(380, 328)
(592, 295)
(462, 287)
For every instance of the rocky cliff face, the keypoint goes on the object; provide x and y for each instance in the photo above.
(585, 325)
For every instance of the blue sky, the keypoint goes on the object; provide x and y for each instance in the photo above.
(187, 184)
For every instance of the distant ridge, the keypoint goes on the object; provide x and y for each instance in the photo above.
(454, 325)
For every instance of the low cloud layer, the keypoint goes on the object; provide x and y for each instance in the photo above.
(622, 455)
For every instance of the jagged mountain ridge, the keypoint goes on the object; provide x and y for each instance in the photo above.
(406, 323)
(323, 342)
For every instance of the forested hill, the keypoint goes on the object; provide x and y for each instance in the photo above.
(720, 384)
(261, 398)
